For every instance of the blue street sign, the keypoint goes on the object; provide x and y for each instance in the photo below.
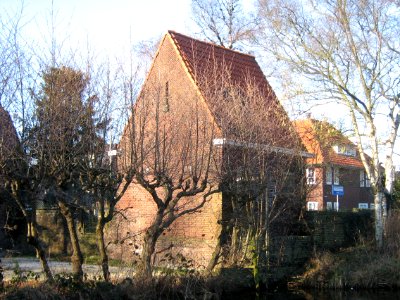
(337, 190)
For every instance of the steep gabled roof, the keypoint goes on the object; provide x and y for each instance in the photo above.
(204, 60)
(199, 55)
(319, 137)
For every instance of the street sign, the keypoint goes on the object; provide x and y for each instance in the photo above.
(337, 190)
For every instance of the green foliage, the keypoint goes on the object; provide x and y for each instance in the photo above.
(20, 276)
(177, 265)
(67, 282)
(89, 248)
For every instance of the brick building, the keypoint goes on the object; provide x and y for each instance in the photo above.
(223, 94)
(336, 162)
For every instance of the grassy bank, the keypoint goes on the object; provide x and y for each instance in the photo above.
(160, 287)
(362, 266)
(356, 267)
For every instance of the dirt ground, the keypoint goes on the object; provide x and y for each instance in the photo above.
(26, 264)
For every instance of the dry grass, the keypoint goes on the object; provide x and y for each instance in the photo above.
(160, 287)
(362, 266)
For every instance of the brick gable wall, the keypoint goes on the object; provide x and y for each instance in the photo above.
(194, 235)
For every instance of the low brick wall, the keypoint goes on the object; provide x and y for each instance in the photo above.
(327, 231)
(332, 230)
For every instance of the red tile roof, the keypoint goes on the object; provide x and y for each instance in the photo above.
(319, 137)
(199, 54)
(204, 60)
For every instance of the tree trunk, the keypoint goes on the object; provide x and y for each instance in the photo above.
(32, 234)
(76, 257)
(149, 244)
(379, 220)
(102, 248)
(217, 251)
(33, 240)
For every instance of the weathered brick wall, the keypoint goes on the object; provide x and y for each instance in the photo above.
(194, 235)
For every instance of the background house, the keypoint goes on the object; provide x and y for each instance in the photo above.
(194, 84)
(336, 161)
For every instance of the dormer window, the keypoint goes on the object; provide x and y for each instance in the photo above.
(345, 150)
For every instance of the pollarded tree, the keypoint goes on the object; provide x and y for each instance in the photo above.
(347, 52)
(101, 179)
(170, 155)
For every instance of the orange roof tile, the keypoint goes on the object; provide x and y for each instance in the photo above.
(201, 58)
(198, 54)
(319, 137)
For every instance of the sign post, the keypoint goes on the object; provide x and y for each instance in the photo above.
(337, 190)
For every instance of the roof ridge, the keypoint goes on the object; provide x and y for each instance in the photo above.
(211, 44)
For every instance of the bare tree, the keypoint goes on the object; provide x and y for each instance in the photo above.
(261, 168)
(223, 22)
(102, 179)
(346, 51)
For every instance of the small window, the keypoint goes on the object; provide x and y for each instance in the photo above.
(312, 205)
(271, 190)
(348, 150)
(329, 175)
(329, 206)
(363, 205)
(310, 174)
(351, 151)
(362, 178)
(367, 181)
(342, 149)
(336, 180)
(335, 206)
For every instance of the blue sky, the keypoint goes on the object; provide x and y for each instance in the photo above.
(108, 26)
(112, 27)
